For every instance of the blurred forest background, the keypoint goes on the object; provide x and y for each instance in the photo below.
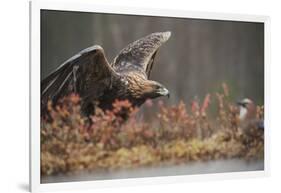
(199, 56)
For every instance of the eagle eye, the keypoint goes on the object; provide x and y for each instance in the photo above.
(158, 86)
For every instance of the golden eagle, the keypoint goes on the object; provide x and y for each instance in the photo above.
(96, 81)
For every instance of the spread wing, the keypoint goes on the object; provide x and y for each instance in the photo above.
(139, 56)
(87, 73)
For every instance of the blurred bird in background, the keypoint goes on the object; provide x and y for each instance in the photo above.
(248, 115)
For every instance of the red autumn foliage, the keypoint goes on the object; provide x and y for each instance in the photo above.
(72, 142)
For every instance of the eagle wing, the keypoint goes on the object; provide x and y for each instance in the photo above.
(139, 56)
(87, 73)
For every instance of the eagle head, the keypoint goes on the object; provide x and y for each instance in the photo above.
(150, 89)
(153, 89)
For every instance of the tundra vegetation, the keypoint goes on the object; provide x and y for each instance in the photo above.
(180, 134)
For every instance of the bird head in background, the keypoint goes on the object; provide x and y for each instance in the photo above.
(247, 114)
(247, 109)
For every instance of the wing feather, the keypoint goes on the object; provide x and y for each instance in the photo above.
(83, 73)
(139, 55)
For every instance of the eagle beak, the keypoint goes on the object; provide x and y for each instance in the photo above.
(164, 92)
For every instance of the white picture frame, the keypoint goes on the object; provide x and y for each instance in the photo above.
(36, 6)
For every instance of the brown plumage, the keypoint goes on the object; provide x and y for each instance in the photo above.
(97, 82)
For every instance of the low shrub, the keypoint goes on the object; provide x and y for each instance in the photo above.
(71, 142)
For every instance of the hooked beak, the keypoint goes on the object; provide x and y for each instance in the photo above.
(164, 92)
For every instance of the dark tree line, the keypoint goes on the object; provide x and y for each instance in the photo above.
(199, 56)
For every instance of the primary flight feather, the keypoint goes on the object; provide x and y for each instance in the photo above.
(96, 81)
